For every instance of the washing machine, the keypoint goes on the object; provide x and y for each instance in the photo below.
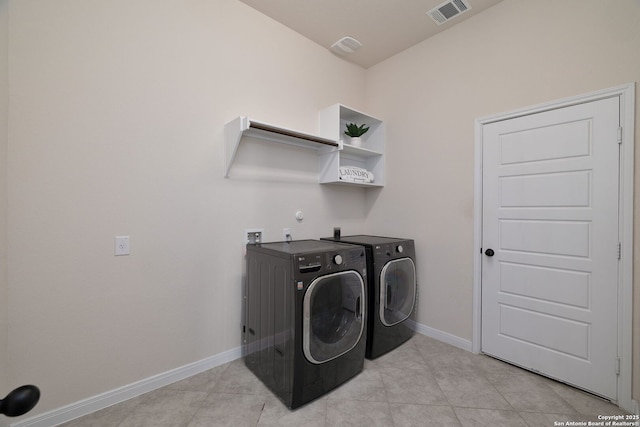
(305, 316)
(392, 290)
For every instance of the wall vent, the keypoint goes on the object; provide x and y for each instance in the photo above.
(448, 10)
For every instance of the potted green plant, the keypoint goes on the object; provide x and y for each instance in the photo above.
(355, 132)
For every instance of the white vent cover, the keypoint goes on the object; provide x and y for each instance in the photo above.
(345, 46)
(448, 10)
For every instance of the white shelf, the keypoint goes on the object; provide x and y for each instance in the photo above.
(331, 145)
(243, 126)
(359, 151)
(370, 156)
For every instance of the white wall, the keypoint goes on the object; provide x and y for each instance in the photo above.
(116, 115)
(515, 54)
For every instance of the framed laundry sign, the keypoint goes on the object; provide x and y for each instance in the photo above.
(355, 174)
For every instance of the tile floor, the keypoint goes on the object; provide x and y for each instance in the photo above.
(422, 383)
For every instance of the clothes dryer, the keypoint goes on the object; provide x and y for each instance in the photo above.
(304, 331)
(392, 290)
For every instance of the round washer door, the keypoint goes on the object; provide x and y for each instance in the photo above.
(333, 322)
(397, 290)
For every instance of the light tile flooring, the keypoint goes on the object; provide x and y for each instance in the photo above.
(424, 382)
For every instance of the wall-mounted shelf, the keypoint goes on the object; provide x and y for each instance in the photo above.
(333, 147)
(359, 151)
(370, 156)
(243, 126)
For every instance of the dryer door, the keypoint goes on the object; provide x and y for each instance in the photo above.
(397, 290)
(333, 315)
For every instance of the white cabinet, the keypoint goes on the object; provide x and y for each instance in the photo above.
(370, 156)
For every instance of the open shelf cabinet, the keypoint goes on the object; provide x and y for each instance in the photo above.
(332, 123)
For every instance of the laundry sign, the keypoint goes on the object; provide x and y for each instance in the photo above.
(355, 174)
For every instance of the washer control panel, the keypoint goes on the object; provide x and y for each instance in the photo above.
(309, 263)
(332, 261)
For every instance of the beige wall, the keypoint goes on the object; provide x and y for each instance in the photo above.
(516, 54)
(116, 118)
(116, 113)
(4, 385)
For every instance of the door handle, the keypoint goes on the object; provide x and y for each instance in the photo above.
(489, 252)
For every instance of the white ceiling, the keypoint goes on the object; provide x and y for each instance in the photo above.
(384, 27)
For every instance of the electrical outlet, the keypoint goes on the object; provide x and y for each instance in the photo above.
(253, 235)
(122, 245)
(286, 234)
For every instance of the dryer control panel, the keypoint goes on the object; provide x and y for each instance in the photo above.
(389, 249)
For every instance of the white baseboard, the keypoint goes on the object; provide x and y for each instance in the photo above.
(444, 337)
(104, 400)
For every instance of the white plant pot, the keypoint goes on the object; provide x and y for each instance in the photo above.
(356, 141)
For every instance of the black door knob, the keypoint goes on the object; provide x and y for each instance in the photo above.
(20, 401)
(489, 252)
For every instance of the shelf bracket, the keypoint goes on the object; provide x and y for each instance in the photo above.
(232, 134)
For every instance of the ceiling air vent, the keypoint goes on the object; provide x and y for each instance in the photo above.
(448, 10)
(346, 45)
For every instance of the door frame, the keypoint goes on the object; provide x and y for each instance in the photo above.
(625, 224)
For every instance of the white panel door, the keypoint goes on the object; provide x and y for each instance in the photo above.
(550, 216)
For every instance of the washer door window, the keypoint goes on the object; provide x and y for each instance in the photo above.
(333, 315)
(397, 291)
